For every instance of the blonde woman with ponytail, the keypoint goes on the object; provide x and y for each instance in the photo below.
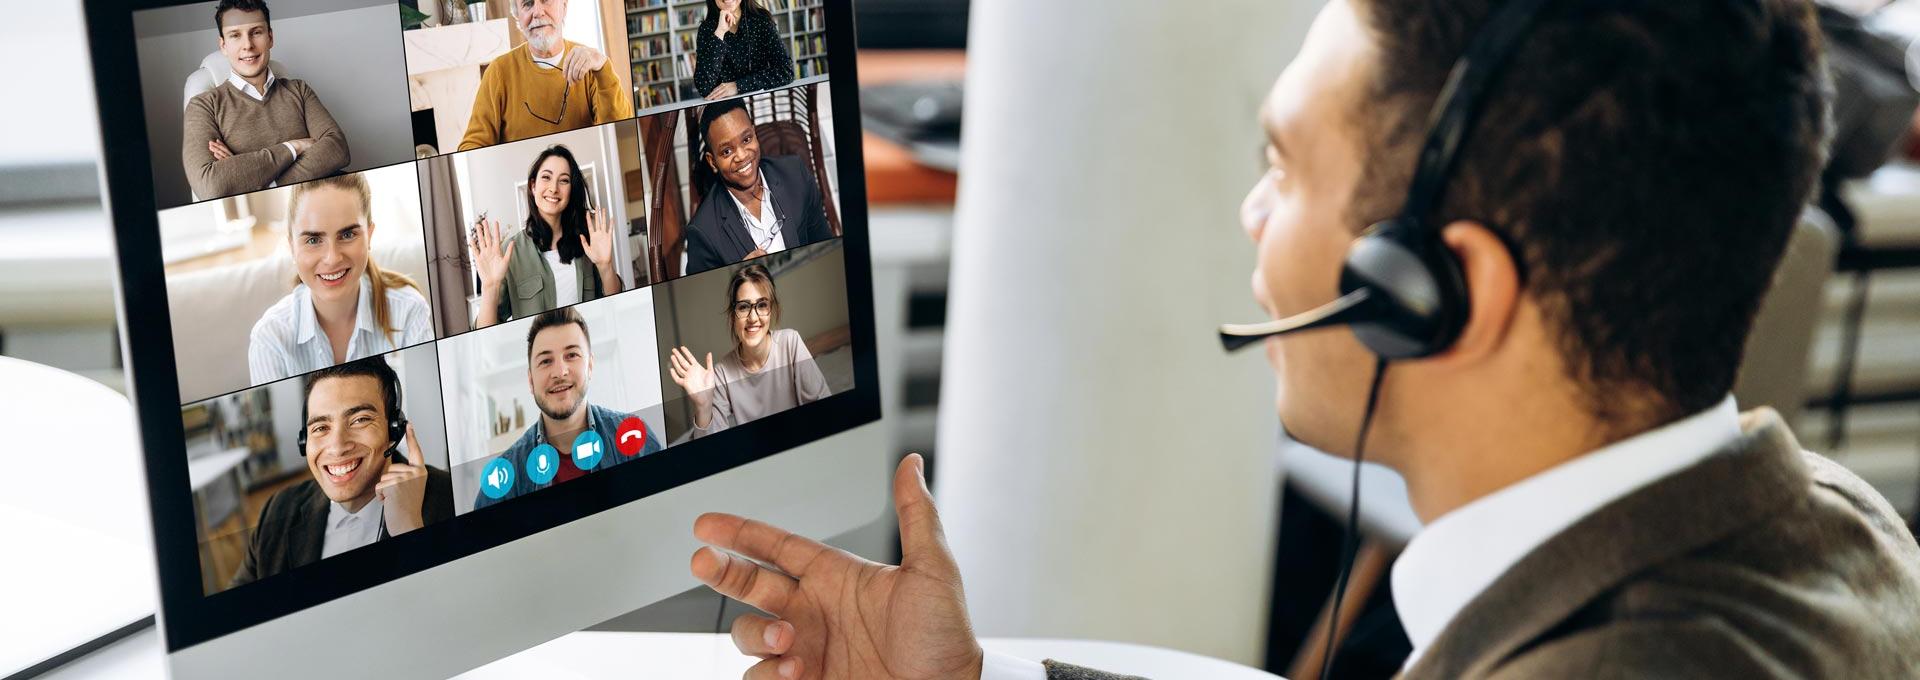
(343, 306)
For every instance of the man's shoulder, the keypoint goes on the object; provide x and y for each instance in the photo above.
(708, 214)
(1677, 647)
(210, 99)
(294, 86)
(519, 54)
(291, 503)
(1826, 586)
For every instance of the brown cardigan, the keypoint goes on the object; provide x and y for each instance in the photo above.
(1761, 561)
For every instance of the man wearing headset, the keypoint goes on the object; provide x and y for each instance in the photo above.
(1562, 306)
(359, 492)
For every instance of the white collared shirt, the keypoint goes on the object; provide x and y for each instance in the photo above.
(1456, 557)
(287, 340)
(260, 95)
(763, 228)
(349, 530)
(247, 88)
(549, 63)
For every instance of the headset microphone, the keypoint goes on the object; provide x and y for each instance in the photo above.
(1347, 309)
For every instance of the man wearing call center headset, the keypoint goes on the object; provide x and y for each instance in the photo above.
(1522, 243)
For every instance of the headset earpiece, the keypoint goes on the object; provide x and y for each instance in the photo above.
(396, 418)
(1419, 296)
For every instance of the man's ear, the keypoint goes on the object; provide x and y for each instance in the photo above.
(1493, 289)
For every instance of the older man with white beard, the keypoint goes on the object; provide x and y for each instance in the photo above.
(546, 85)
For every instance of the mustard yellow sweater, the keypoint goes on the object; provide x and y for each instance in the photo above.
(513, 82)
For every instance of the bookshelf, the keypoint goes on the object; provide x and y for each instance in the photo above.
(662, 34)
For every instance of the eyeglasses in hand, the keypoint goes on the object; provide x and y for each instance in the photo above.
(565, 90)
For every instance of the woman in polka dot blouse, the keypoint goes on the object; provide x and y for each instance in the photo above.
(739, 50)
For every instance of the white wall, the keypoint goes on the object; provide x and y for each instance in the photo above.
(351, 57)
(1104, 471)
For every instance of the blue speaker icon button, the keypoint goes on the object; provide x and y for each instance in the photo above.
(542, 463)
(496, 479)
(587, 450)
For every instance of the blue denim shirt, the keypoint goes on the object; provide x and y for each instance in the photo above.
(603, 421)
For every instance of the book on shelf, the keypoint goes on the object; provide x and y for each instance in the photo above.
(650, 48)
(646, 23)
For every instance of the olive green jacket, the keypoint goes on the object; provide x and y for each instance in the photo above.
(529, 289)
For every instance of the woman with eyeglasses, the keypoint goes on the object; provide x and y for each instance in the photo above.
(563, 255)
(343, 306)
(739, 50)
(768, 371)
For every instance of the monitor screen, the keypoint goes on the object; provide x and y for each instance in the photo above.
(409, 280)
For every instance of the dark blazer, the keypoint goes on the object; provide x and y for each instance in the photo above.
(1762, 561)
(717, 236)
(294, 523)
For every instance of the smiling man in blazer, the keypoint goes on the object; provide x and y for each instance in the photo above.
(769, 204)
(1596, 506)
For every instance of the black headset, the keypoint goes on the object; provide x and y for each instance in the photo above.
(389, 387)
(1401, 290)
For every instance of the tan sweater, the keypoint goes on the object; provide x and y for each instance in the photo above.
(254, 131)
(513, 82)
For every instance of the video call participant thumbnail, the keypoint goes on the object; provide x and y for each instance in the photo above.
(256, 130)
(546, 85)
(562, 256)
(559, 369)
(768, 371)
(739, 49)
(769, 204)
(345, 306)
(361, 491)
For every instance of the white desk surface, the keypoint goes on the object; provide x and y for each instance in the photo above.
(588, 655)
(208, 468)
(74, 519)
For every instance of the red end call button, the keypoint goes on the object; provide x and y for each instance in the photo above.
(632, 437)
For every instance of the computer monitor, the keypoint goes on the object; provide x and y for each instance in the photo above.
(443, 320)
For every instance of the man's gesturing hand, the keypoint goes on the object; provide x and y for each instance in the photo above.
(841, 616)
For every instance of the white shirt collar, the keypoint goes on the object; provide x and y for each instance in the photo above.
(348, 530)
(551, 63)
(247, 89)
(338, 516)
(762, 227)
(1456, 557)
(306, 326)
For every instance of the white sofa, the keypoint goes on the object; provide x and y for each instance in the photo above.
(214, 312)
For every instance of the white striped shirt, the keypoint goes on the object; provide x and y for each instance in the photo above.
(287, 341)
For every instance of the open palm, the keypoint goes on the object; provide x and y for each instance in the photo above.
(840, 616)
(491, 253)
(598, 241)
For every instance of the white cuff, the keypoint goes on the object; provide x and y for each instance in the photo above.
(291, 150)
(997, 666)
